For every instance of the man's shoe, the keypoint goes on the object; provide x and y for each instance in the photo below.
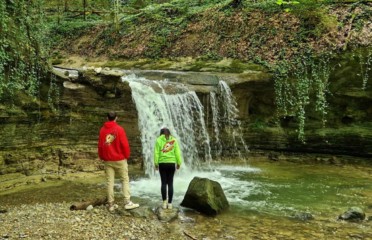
(170, 206)
(112, 207)
(131, 205)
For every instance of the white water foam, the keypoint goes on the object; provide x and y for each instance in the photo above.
(236, 190)
(162, 103)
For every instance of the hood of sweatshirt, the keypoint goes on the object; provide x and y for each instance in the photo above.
(162, 137)
(109, 124)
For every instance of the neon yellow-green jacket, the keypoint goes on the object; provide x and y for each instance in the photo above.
(167, 151)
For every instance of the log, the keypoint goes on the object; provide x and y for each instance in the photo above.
(189, 235)
(85, 204)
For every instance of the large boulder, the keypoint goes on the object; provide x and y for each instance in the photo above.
(205, 196)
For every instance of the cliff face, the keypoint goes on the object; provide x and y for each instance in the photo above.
(347, 129)
(36, 139)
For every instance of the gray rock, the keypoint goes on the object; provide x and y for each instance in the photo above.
(166, 215)
(303, 216)
(73, 86)
(185, 219)
(89, 208)
(353, 214)
(141, 212)
(205, 196)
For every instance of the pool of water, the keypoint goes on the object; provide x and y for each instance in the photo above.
(265, 198)
(277, 188)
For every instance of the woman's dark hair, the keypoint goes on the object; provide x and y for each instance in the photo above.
(165, 131)
(111, 116)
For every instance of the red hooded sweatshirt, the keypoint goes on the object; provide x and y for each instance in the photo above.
(113, 143)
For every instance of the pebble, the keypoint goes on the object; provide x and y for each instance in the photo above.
(90, 207)
(56, 221)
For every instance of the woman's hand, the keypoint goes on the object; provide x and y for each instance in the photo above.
(178, 166)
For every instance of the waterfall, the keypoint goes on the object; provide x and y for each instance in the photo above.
(165, 104)
(225, 116)
(173, 105)
(216, 124)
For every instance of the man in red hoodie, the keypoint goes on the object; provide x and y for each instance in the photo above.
(113, 149)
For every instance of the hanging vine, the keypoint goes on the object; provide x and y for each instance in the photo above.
(320, 73)
(296, 84)
(22, 52)
(53, 94)
(365, 62)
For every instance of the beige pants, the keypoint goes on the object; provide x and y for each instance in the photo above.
(121, 169)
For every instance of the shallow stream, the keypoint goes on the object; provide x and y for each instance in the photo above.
(266, 199)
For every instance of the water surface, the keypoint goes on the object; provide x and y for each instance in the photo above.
(267, 198)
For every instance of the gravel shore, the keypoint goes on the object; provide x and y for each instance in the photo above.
(56, 221)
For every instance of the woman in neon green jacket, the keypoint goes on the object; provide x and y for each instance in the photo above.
(167, 157)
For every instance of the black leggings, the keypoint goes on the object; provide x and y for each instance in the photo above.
(166, 171)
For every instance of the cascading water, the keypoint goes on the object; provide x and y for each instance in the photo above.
(216, 124)
(224, 116)
(165, 104)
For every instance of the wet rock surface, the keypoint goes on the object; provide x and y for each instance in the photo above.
(166, 215)
(303, 216)
(353, 214)
(205, 196)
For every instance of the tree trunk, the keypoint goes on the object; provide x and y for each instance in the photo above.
(84, 6)
(66, 6)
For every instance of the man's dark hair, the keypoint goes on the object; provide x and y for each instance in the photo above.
(111, 116)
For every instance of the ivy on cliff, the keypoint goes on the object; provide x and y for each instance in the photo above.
(297, 84)
(293, 44)
(22, 49)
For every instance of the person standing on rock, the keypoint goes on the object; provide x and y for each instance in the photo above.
(167, 157)
(113, 149)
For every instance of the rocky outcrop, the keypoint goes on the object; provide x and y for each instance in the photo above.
(59, 131)
(205, 196)
(347, 130)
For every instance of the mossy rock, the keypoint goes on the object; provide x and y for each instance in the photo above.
(205, 196)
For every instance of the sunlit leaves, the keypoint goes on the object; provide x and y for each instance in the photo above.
(287, 4)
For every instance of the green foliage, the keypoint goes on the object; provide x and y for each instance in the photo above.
(168, 19)
(22, 52)
(297, 84)
(53, 95)
(315, 18)
(69, 29)
(365, 63)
